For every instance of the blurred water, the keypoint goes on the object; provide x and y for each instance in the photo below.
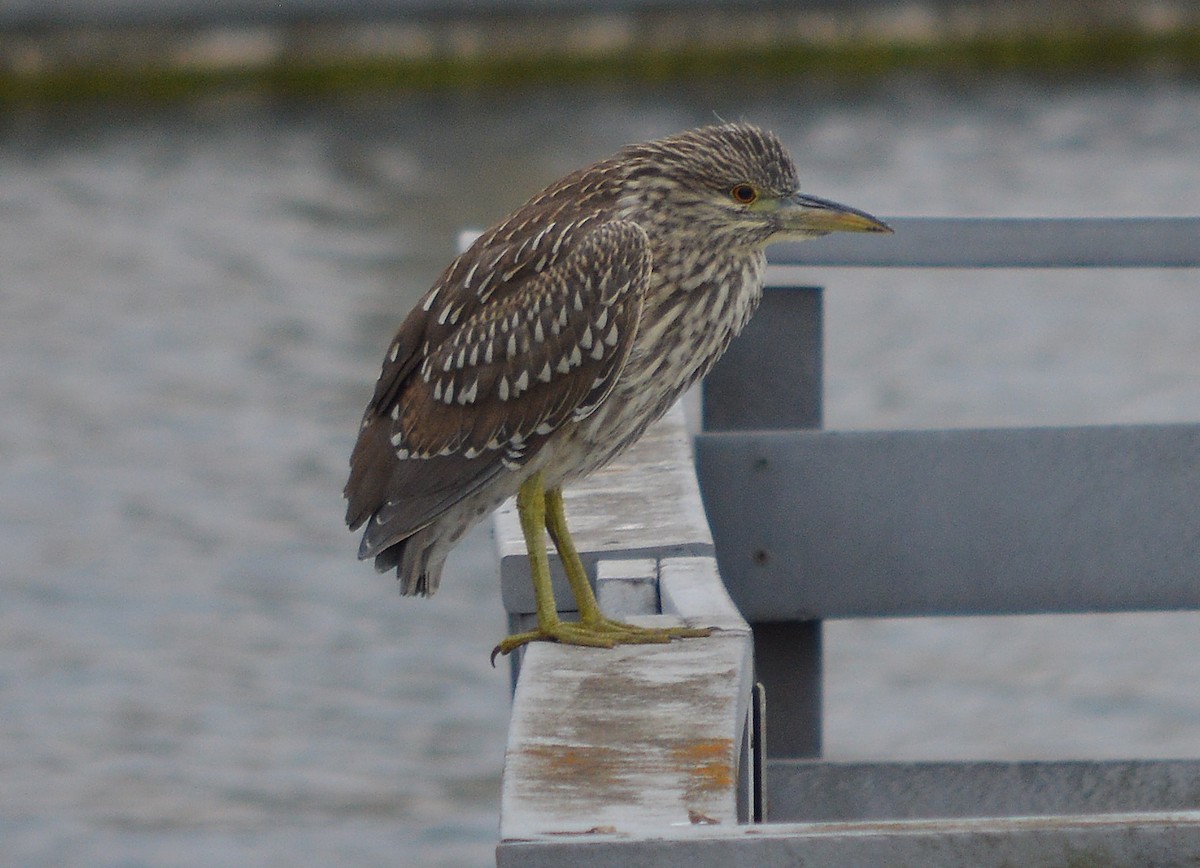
(193, 668)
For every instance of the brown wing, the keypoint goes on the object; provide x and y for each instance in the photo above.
(482, 397)
(535, 238)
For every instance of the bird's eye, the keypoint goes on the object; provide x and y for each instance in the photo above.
(744, 194)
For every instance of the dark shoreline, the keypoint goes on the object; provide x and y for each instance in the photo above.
(127, 56)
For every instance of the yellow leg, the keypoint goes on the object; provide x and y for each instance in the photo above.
(585, 601)
(538, 509)
(556, 525)
(531, 508)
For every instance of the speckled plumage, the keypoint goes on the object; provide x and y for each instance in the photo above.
(560, 335)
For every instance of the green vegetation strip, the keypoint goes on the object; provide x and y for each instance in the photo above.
(1047, 54)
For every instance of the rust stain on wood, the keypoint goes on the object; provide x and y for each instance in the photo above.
(708, 764)
(568, 765)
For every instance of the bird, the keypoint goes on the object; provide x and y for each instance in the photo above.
(554, 340)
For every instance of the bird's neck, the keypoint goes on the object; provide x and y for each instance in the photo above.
(707, 309)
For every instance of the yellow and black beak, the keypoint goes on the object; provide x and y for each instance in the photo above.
(809, 215)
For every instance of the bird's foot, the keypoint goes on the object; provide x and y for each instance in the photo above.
(599, 633)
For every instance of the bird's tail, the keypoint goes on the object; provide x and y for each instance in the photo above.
(418, 566)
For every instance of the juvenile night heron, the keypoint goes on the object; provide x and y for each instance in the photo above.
(552, 343)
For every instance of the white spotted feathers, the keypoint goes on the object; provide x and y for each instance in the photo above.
(509, 368)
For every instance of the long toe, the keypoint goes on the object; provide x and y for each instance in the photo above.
(605, 633)
(564, 632)
(608, 626)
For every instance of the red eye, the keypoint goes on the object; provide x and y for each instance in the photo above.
(744, 194)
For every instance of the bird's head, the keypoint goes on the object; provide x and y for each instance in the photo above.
(732, 183)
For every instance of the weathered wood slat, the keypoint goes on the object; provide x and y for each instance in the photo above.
(691, 588)
(625, 588)
(638, 739)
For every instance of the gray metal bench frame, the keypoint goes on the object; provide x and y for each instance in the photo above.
(875, 524)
